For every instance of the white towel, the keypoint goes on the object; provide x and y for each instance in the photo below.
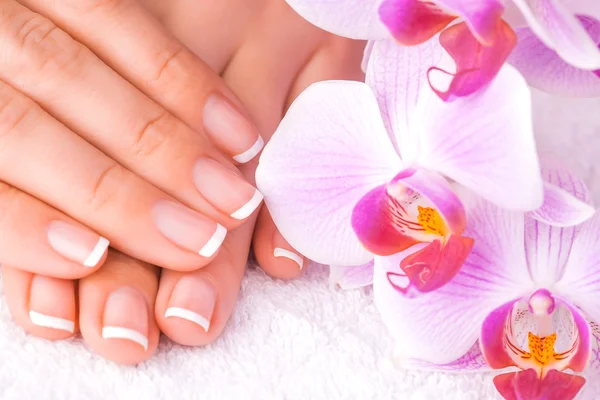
(286, 340)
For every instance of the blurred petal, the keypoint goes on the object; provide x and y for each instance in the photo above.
(435, 265)
(580, 283)
(481, 15)
(413, 22)
(476, 64)
(393, 217)
(485, 141)
(329, 151)
(472, 361)
(548, 247)
(356, 19)
(560, 208)
(594, 364)
(525, 385)
(396, 74)
(441, 326)
(590, 8)
(351, 277)
(545, 70)
(561, 31)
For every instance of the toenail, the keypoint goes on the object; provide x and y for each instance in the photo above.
(49, 321)
(189, 229)
(279, 252)
(193, 299)
(51, 303)
(76, 243)
(126, 317)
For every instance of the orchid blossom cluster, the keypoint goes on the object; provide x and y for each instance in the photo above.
(481, 253)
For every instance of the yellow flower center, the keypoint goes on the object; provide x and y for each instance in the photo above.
(541, 349)
(431, 221)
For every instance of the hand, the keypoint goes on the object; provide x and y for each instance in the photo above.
(269, 58)
(105, 121)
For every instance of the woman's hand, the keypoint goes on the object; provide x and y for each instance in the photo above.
(106, 123)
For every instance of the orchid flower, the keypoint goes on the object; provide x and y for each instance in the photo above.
(527, 293)
(341, 193)
(557, 48)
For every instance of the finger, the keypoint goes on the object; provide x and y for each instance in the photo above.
(192, 308)
(44, 307)
(135, 216)
(115, 310)
(42, 61)
(37, 238)
(134, 44)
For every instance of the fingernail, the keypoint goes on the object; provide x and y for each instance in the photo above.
(126, 317)
(193, 299)
(230, 130)
(226, 190)
(76, 243)
(52, 303)
(188, 229)
(279, 252)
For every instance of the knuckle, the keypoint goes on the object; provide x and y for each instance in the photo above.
(42, 48)
(152, 136)
(85, 7)
(15, 110)
(168, 67)
(106, 187)
(9, 197)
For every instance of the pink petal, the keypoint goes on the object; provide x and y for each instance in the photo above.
(328, 152)
(525, 385)
(413, 22)
(385, 220)
(476, 64)
(352, 277)
(440, 327)
(580, 282)
(594, 365)
(493, 331)
(485, 141)
(561, 208)
(356, 19)
(547, 246)
(397, 74)
(482, 16)
(472, 361)
(581, 358)
(561, 31)
(545, 70)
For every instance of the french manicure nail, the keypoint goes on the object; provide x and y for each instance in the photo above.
(279, 252)
(49, 321)
(226, 190)
(76, 243)
(193, 299)
(231, 130)
(188, 229)
(126, 317)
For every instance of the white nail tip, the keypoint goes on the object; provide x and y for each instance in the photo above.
(96, 254)
(188, 315)
(247, 209)
(48, 321)
(214, 242)
(117, 332)
(279, 252)
(251, 152)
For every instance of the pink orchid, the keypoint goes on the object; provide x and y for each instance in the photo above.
(341, 193)
(528, 293)
(557, 48)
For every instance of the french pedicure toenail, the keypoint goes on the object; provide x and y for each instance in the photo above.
(188, 229)
(193, 299)
(76, 243)
(49, 303)
(279, 252)
(126, 317)
(230, 129)
(226, 190)
(49, 321)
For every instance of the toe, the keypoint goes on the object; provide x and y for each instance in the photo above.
(43, 306)
(273, 253)
(116, 304)
(192, 308)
